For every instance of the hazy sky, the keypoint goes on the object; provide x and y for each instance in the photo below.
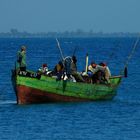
(61, 15)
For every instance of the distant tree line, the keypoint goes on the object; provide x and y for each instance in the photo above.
(14, 33)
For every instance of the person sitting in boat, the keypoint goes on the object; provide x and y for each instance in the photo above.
(74, 71)
(107, 72)
(59, 70)
(95, 72)
(43, 69)
(21, 59)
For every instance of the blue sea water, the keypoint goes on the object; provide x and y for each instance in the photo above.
(118, 119)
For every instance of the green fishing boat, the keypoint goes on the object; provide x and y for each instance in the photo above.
(33, 88)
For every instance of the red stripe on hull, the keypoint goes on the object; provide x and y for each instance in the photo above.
(28, 95)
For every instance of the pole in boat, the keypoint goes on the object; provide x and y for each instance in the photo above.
(75, 49)
(60, 50)
(86, 68)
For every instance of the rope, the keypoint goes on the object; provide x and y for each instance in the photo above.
(132, 52)
(74, 51)
(129, 57)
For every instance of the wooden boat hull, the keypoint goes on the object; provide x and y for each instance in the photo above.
(31, 90)
(28, 95)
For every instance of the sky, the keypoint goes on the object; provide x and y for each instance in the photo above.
(69, 15)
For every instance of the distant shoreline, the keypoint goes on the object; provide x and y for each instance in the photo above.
(14, 33)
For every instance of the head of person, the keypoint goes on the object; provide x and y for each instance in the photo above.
(60, 63)
(23, 48)
(103, 64)
(93, 64)
(44, 65)
(74, 59)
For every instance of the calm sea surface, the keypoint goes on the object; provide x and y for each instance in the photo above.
(118, 119)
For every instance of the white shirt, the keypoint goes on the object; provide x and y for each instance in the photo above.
(94, 70)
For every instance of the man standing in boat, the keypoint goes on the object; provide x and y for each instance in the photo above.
(21, 59)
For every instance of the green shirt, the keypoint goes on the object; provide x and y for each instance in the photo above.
(22, 58)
